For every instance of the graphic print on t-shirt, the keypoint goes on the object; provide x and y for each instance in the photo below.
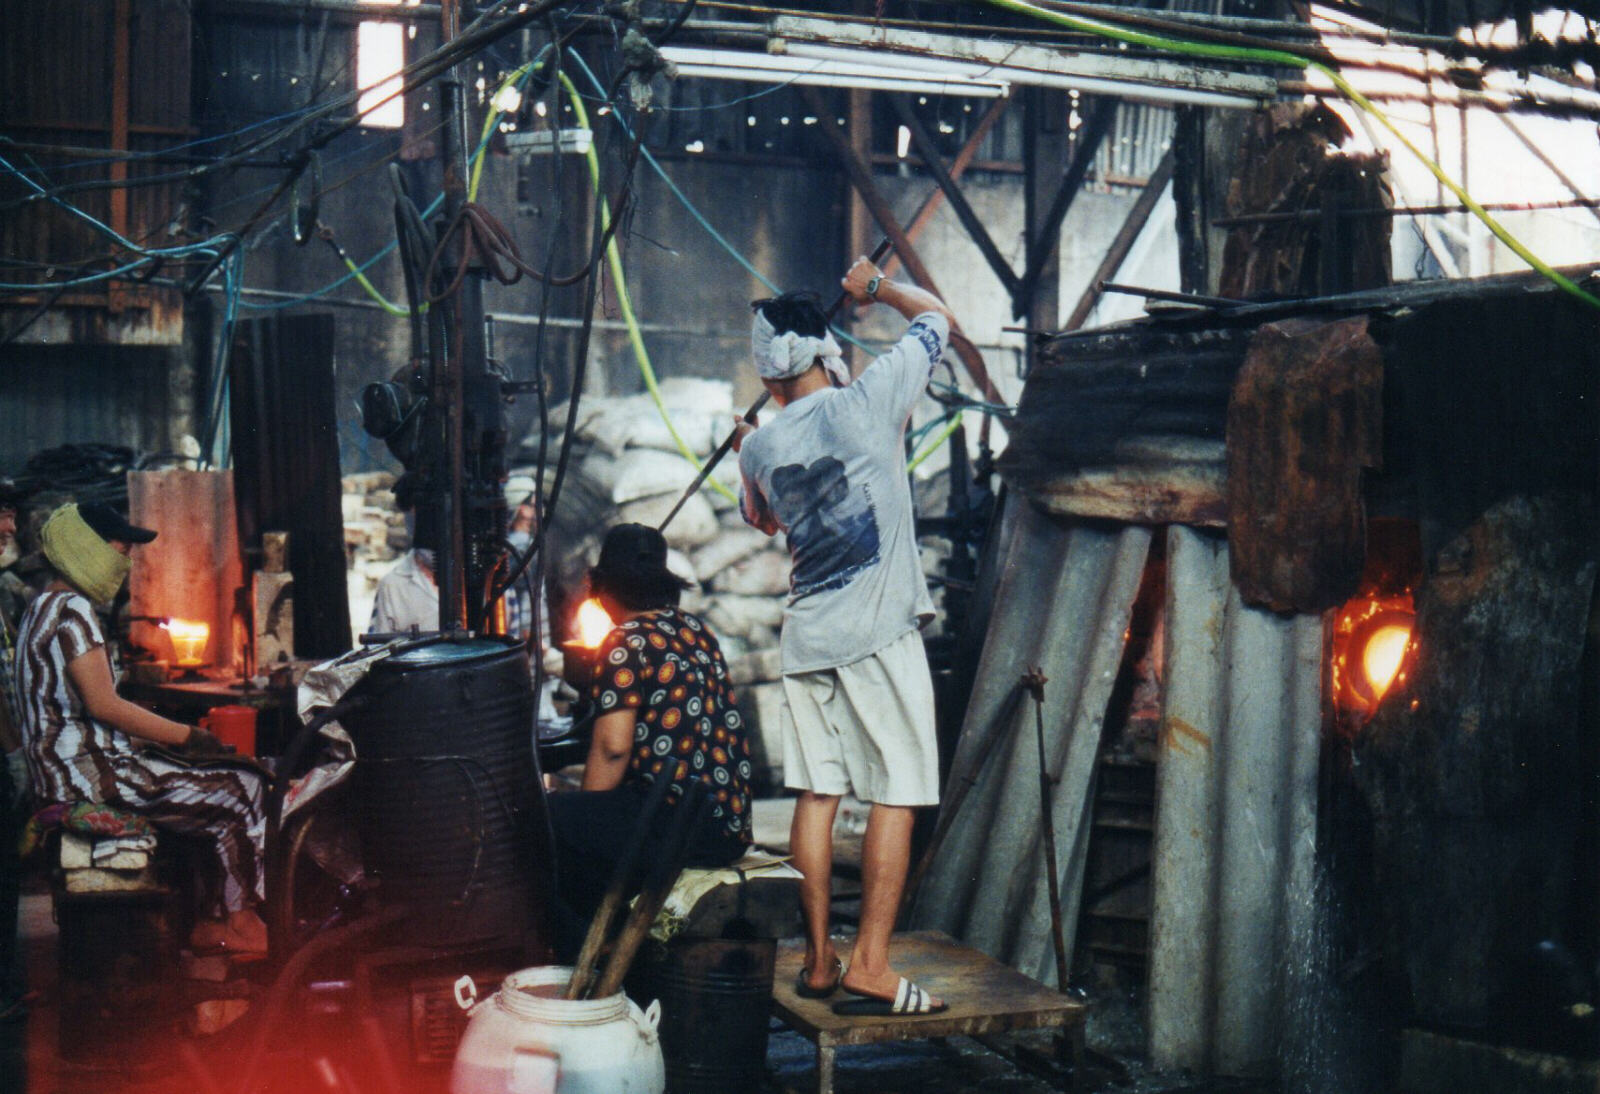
(833, 531)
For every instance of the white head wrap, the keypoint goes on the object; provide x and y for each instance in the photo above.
(785, 356)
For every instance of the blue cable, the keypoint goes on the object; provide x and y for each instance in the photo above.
(138, 156)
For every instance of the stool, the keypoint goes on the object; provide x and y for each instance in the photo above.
(710, 963)
(117, 949)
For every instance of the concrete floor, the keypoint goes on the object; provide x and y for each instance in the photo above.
(31, 1061)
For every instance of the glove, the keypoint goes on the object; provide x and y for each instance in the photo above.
(201, 743)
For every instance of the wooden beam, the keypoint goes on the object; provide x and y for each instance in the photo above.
(958, 166)
(861, 178)
(958, 201)
(1117, 253)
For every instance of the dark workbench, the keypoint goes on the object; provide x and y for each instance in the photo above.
(189, 700)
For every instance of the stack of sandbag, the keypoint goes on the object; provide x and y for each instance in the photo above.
(625, 466)
(374, 538)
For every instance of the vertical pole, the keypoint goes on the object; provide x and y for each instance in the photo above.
(460, 572)
(1044, 154)
(121, 93)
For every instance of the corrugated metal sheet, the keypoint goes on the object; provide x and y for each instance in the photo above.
(1139, 137)
(55, 395)
(1235, 819)
(1064, 599)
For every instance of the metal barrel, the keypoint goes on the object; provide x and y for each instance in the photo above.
(445, 795)
(716, 998)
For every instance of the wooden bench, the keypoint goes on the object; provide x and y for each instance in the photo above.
(985, 998)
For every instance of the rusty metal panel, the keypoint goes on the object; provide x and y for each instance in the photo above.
(1235, 818)
(78, 77)
(1065, 596)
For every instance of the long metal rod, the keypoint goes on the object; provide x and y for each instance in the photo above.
(1034, 680)
(1309, 215)
(1198, 299)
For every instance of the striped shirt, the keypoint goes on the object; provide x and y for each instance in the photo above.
(71, 757)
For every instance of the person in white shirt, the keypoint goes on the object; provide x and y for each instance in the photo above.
(829, 471)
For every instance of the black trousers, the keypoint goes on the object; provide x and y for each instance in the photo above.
(592, 828)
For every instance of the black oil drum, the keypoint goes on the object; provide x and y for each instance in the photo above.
(716, 1002)
(445, 793)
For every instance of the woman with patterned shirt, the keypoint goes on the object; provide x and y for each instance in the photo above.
(665, 710)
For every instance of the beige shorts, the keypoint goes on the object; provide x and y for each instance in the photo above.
(866, 727)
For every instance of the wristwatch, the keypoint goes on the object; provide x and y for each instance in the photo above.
(872, 285)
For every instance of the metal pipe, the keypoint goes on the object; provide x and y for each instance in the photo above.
(355, 10)
(1307, 215)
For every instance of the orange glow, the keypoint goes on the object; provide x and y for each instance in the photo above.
(1374, 639)
(592, 624)
(1380, 660)
(189, 639)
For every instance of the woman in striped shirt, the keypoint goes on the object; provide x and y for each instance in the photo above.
(83, 740)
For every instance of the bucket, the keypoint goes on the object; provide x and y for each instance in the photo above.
(716, 999)
(526, 1039)
(233, 725)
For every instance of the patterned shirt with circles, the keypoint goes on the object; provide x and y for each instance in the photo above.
(666, 666)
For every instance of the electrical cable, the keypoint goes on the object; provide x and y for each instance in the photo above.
(620, 285)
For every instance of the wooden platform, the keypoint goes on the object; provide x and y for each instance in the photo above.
(985, 998)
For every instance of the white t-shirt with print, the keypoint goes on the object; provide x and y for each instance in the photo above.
(830, 467)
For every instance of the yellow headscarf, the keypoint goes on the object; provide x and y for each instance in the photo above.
(86, 561)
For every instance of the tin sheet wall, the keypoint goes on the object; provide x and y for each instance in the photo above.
(1235, 816)
(1063, 603)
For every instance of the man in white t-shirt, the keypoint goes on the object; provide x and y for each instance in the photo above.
(829, 470)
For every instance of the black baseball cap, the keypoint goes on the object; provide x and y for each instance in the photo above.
(110, 525)
(10, 496)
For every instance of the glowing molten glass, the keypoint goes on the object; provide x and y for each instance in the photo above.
(1381, 658)
(188, 640)
(592, 624)
(1374, 640)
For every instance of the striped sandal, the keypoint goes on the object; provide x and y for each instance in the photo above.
(909, 999)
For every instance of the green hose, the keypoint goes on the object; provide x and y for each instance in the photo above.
(624, 302)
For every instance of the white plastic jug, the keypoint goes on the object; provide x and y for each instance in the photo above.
(526, 1039)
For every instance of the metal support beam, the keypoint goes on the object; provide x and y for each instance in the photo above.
(929, 150)
(1117, 253)
(1046, 140)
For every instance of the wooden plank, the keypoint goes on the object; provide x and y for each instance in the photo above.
(984, 996)
(1304, 422)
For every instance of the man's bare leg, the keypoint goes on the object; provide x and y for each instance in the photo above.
(885, 859)
(811, 844)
